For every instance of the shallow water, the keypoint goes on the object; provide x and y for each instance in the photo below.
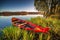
(6, 20)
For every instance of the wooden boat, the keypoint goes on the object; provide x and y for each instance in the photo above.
(23, 24)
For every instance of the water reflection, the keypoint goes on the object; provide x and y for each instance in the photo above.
(6, 20)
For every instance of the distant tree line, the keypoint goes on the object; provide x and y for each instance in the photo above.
(17, 13)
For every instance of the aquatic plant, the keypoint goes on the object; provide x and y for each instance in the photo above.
(54, 25)
(11, 33)
(15, 33)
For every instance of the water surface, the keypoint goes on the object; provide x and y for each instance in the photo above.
(5, 21)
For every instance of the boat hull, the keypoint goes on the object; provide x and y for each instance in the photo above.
(23, 24)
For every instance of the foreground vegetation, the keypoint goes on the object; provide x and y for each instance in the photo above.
(14, 33)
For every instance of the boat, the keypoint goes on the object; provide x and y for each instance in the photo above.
(29, 26)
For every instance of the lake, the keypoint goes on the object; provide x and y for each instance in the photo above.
(5, 21)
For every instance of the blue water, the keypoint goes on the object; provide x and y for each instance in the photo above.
(5, 21)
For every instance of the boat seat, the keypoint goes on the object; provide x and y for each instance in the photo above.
(27, 25)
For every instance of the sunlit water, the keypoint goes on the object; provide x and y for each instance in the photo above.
(6, 20)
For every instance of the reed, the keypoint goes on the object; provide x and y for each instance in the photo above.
(11, 33)
(15, 33)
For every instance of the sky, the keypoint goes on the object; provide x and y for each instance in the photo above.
(17, 5)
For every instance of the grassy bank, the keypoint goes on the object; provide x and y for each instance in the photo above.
(14, 33)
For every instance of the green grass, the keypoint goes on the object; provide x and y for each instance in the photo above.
(54, 25)
(14, 33)
(11, 33)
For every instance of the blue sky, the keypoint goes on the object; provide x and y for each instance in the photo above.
(17, 5)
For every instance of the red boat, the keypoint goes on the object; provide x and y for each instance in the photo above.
(23, 24)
